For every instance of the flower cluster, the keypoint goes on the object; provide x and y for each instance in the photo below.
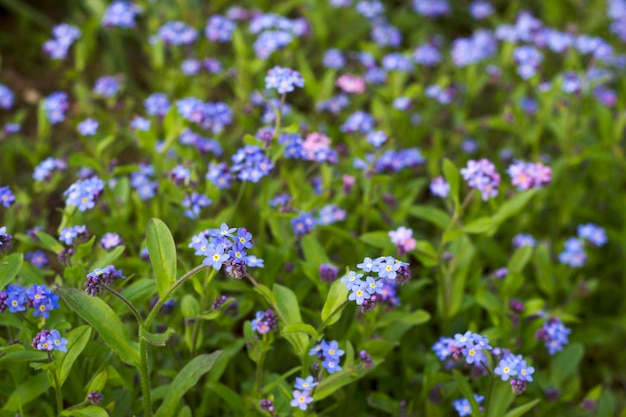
(177, 33)
(303, 223)
(471, 346)
(330, 355)
(592, 233)
(482, 175)
(157, 104)
(403, 239)
(142, 182)
(55, 106)
(251, 163)
(432, 8)
(64, 36)
(45, 169)
(6, 196)
(121, 13)
(38, 297)
(573, 253)
(275, 32)
(84, 193)
(212, 116)
(69, 234)
(107, 86)
(284, 80)
(479, 47)
(514, 366)
(555, 335)
(265, 321)
(101, 276)
(368, 291)
(226, 245)
(49, 340)
(219, 174)
(5, 239)
(219, 29)
(526, 175)
(194, 203)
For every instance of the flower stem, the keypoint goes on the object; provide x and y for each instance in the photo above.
(57, 388)
(162, 300)
(335, 311)
(258, 386)
(196, 325)
(144, 376)
(123, 299)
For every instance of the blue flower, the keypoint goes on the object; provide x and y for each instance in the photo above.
(219, 29)
(157, 104)
(593, 233)
(55, 105)
(331, 350)
(369, 265)
(6, 196)
(16, 300)
(359, 293)
(6, 97)
(303, 223)
(121, 13)
(374, 286)
(351, 279)
(388, 268)
(244, 238)
(505, 369)
(524, 372)
(88, 127)
(301, 399)
(331, 365)
(305, 384)
(284, 80)
(216, 257)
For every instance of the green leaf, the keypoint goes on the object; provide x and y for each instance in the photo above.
(186, 379)
(337, 295)
(379, 240)
(332, 383)
(103, 319)
(9, 267)
(426, 253)
(49, 242)
(313, 251)
(300, 328)
(479, 226)
(98, 382)
(235, 401)
(83, 250)
(43, 125)
(451, 172)
(522, 409)
(27, 391)
(513, 206)
(89, 411)
(77, 339)
(500, 398)
(287, 305)
(466, 390)
(266, 293)
(162, 250)
(519, 259)
(431, 214)
(157, 339)
(564, 364)
(109, 258)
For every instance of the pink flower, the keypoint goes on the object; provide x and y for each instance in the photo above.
(313, 143)
(403, 239)
(351, 84)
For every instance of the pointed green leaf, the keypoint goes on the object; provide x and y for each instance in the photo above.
(500, 399)
(108, 259)
(49, 242)
(9, 267)
(289, 310)
(479, 226)
(337, 295)
(300, 328)
(513, 206)
(522, 409)
(379, 240)
(103, 319)
(466, 390)
(186, 379)
(332, 383)
(89, 411)
(564, 363)
(77, 339)
(157, 339)
(162, 250)
(27, 391)
(431, 214)
(519, 259)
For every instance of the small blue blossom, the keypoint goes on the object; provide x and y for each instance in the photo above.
(301, 399)
(284, 80)
(107, 86)
(359, 293)
(88, 127)
(351, 279)
(216, 257)
(305, 384)
(505, 369)
(6, 196)
(121, 13)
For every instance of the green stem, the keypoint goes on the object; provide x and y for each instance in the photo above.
(162, 300)
(335, 311)
(144, 376)
(57, 388)
(196, 325)
(258, 386)
(123, 299)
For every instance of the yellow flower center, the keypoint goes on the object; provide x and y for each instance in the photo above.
(301, 399)
(506, 370)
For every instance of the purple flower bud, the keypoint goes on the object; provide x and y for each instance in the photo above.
(518, 386)
(94, 397)
(328, 273)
